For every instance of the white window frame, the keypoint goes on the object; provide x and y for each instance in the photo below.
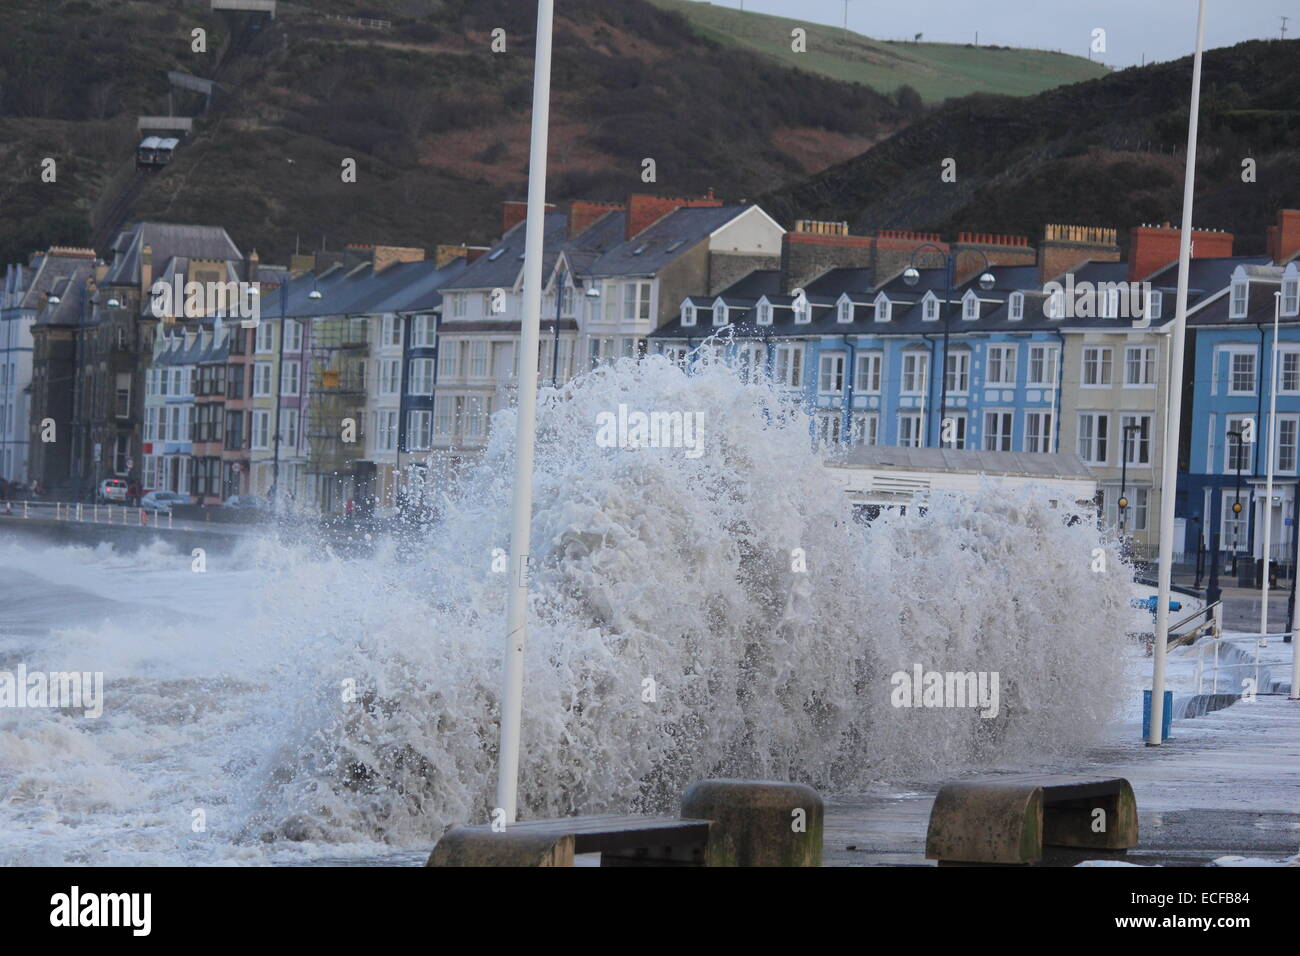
(916, 429)
(868, 374)
(918, 376)
(263, 379)
(956, 366)
(1103, 366)
(883, 308)
(1016, 307)
(999, 429)
(1244, 351)
(1049, 363)
(1238, 298)
(1041, 434)
(1231, 447)
(930, 308)
(420, 378)
(970, 306)
(830, 371)
(1096, 441)
(788, 364)
(1147, 363)
(1137, 450)
(1002, 358)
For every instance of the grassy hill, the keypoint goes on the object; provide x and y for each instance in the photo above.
(436, 121)
(1109, 152)
(937, 71)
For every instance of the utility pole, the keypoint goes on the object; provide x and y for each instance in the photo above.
(1284, 20)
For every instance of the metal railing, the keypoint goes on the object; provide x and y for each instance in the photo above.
(96, 513)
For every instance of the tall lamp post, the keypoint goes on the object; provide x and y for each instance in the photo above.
(1266, 544)
(521, 506)
(1236, 502)
(911, 276)
(1174, 396)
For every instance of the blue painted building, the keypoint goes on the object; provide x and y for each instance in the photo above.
(1231, 371)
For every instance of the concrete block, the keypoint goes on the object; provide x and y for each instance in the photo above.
(757, 822)
(481, 846)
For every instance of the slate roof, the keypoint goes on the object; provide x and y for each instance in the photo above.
(68, 289)
(1205, 277)
(499, 268)
(672, 236)
(402, 287)
(1264, 282)
(51, 269)
(168, 241)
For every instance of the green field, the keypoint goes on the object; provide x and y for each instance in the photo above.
(936, 70)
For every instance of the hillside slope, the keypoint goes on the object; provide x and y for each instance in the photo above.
(436, 121)
(937, 71)
(1107, 152)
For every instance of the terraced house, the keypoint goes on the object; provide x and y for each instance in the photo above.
(613, 274)
(1234, 381)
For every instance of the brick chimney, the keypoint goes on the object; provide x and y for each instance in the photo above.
(1001, 250)
(583, 214)
(146, 271)
(513, 212)
(644, 211)
(254, 261)
(1151, 248)
(815, 246)
(895, 250)
(385, 256)
(1284, 238)
(1067, 247)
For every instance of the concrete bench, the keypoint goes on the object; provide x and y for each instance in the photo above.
(1009, 819)
(723, 823)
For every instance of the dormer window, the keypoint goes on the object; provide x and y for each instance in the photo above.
(1155, 303)
(1109, 301)
(764, 313)
(802, 311)
(719, 313)
(930, 308)
(1239, 297)
(883, 308)
(845, 311)
(970, 307)
(1291, 291)
(1016, 307)
(688, 313)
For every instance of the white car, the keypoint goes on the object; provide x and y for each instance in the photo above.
(162, 501)
(112, 489)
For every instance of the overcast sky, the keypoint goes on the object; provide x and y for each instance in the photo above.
(1135, 29)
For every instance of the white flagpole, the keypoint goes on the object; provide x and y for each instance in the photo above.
(1174, 397)
(1268, 486)
(521, 508)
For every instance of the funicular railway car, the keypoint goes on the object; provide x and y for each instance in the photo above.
(155, 152)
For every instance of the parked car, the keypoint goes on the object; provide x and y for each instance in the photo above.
(247, 502)
(162, 501)
(111, 490)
